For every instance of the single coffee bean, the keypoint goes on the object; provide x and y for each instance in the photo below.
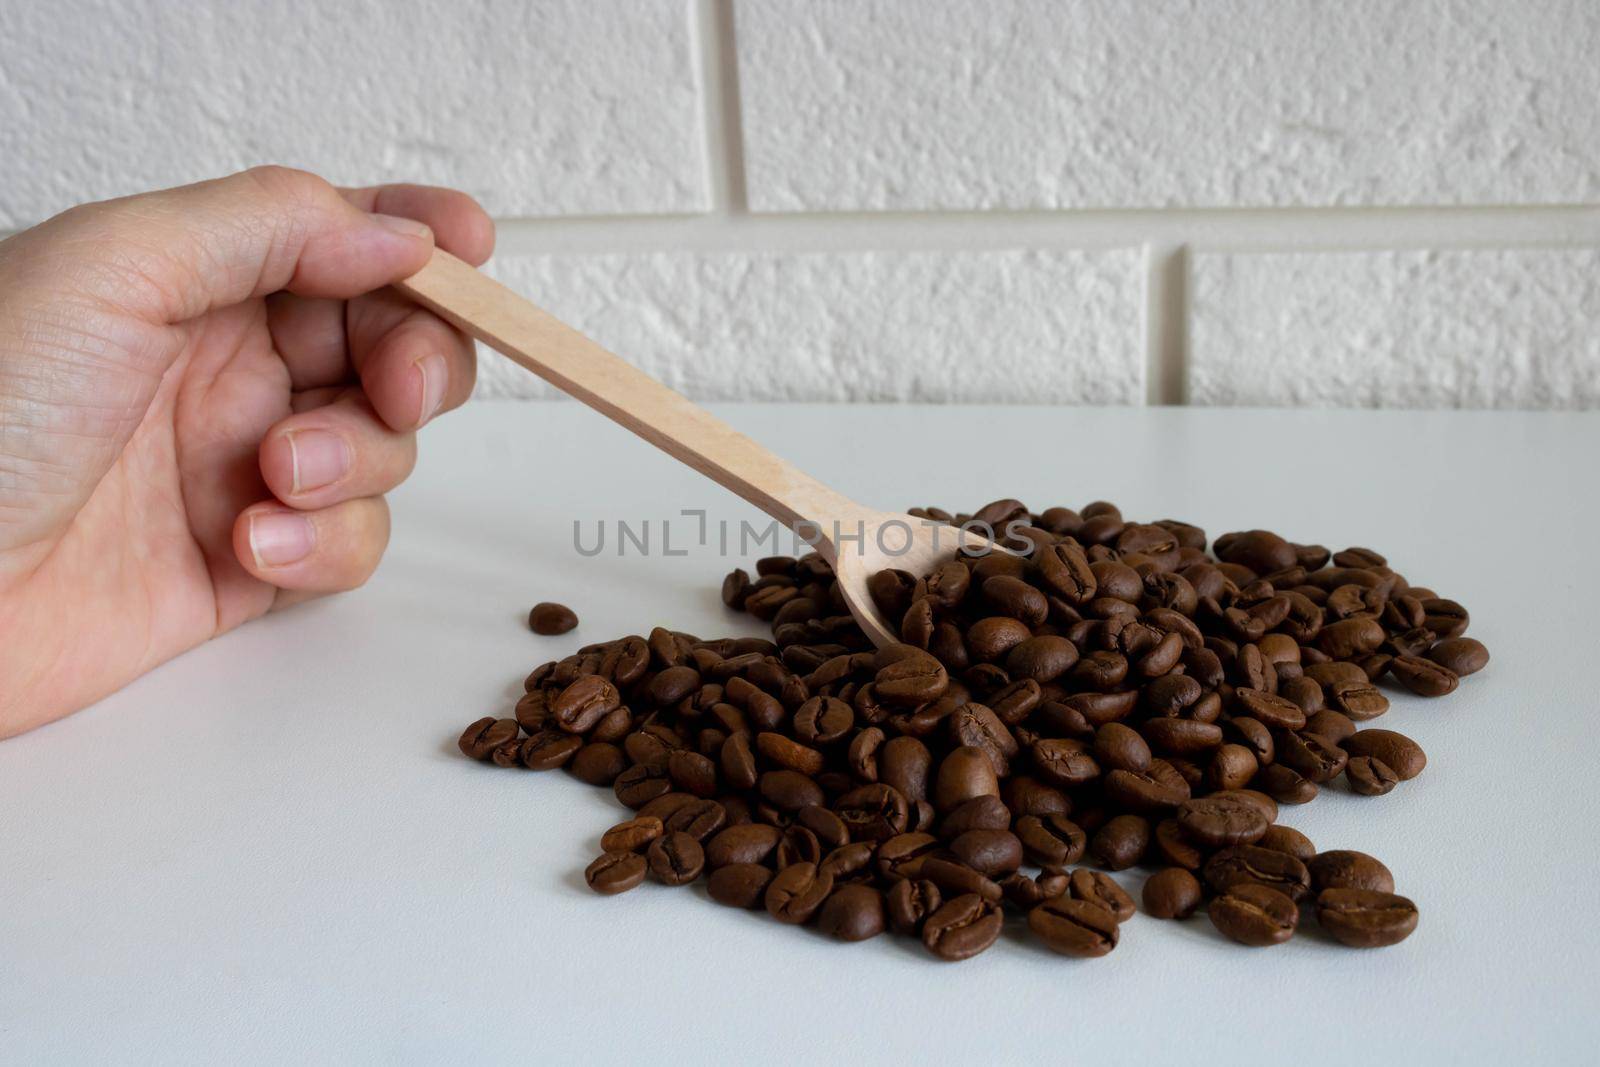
(902, 856)
(852, 913)
(1232, 766)
(1092, 887)
(1121, 842)
(1403, 755)
(1334, 725)
(979, 813)
(615, 872)
(962, 927)
(750, 843)
(789, 790)
(993, 853)
(1424, 677)
(1172, 893)
(1119, 747)
(796, 892)
(904, 762)
(634, 835)
(584, 703)
(1252, 914)
(1461, 655)
(548, 618)
(1074, 927)
(873, 812)
(675, 859)
(1445, 618)
(598, 763)
(955, 878)
(699, 818)
(1239, 864)
(487, 734)
(830, 830)
(1053, 842)
(909, 902)
(1347, 869)
(1158, 789)
(964, 774)
(1170, 845)
(663, 807)
(1288, 840)
(850, 862)
(1314, 757)
(1270, 709)
(640, 784)
(1064, 761)
(739, 885)
(1370, 776)
(1214, 822)
(1365, 918)
(1360, 700)
(1285, 785)
(549, 749)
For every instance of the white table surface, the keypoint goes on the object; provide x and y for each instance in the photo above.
(271, 851)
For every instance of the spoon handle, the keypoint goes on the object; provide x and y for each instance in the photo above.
(532, 337)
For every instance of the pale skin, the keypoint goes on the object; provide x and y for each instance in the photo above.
(205, 394)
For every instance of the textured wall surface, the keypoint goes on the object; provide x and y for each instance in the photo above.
(872, 104)
(547, 108)
(1262, 202)
(1408, 329)
(1028, 327)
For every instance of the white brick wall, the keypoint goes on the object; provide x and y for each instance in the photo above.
(1329, 202)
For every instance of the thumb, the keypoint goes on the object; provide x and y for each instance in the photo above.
(86, 300)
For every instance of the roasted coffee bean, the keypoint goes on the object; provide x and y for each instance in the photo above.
(584, 703)
(1315, 758)
(1181, 737)
(737, 762)
(1370, 776)
(699, 818)
(1051, 842)
(909, 902)
(1173, 893)
(1347, 869)
(850, 862)
(1254, 915)
(994, 853)
(1158, 789)
(830, 830)
(1063, 761)
(1232, 766)
(1334, 725)
(955, 878)
(1461, 655)
(484, 736)
(1264, 866)
(1402, 755)
(634, 835)
(615, 872)
(1269, 709)
(975, 725)
(641, 783)
(796, 892)
(1118, 747)
(789, 791)
(1170, 845)
(788, 753)
(1285, 785)
(664, 806)
(1092, 887)
(1445, 618)
(1360, 700)
(962, 927)
(965, 773)
(675, 859)
(1074, 927)
(1121, 842)
(548, 618)
(1214, 822)
(739, 885)
(1364, 918)
(979, 813)
(750, 843)
(904, 762)
(1423, 677)
(1288, 840)
(852, 913)
(873, 812)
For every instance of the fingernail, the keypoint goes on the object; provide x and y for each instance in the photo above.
(278, 538)
(408, 227)
(433, 372)
(318, 457)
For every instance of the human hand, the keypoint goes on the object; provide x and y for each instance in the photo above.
(204, 394)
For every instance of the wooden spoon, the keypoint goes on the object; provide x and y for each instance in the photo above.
(858, 541)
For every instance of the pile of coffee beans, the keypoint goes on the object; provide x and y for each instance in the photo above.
(1105, 696)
